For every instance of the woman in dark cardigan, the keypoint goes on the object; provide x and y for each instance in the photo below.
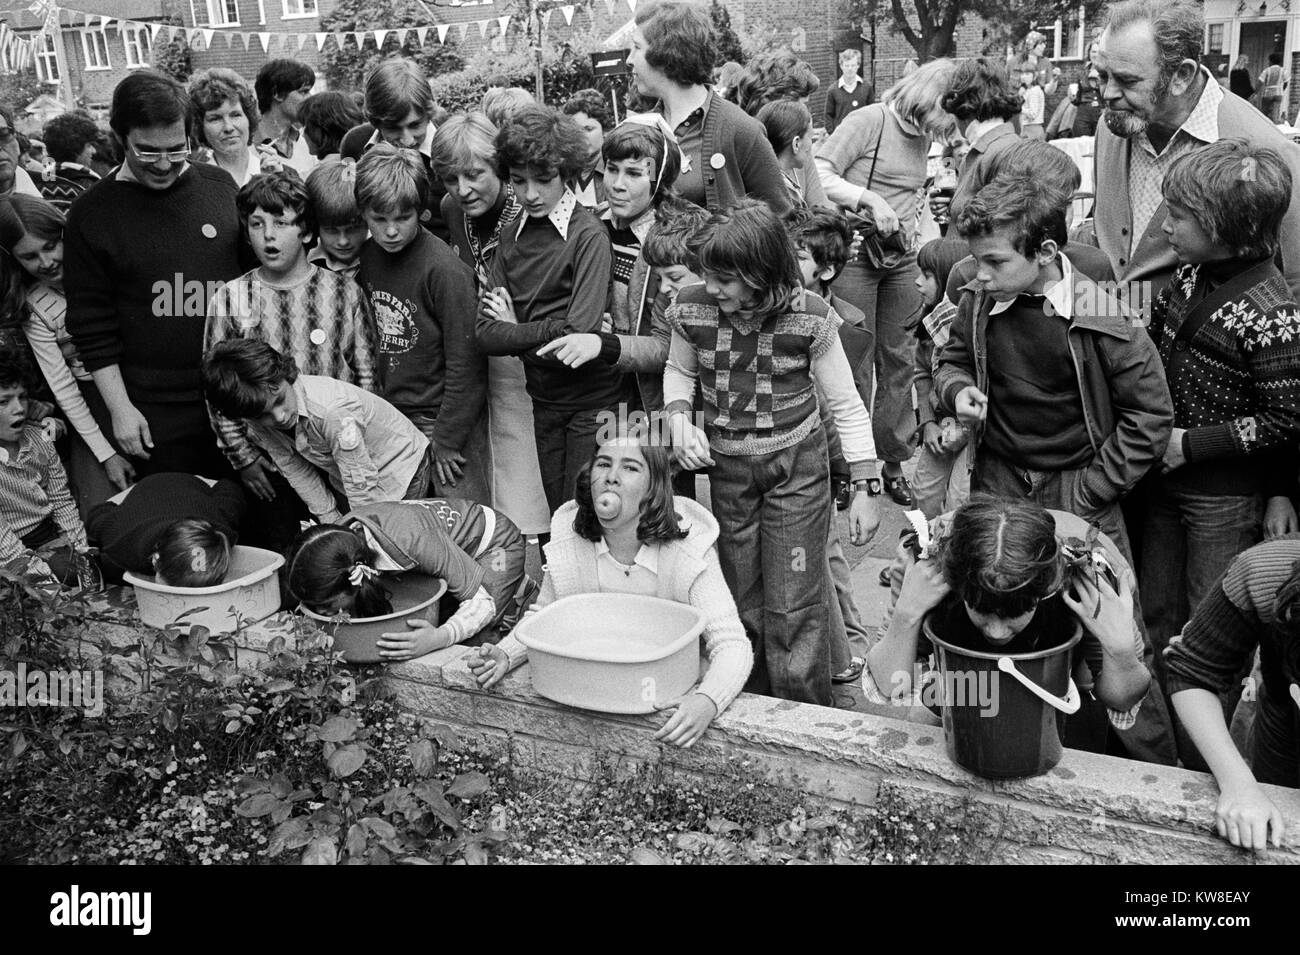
(726, 152)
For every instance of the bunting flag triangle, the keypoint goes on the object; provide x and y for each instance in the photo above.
(171, 33)
(302, 41)
(154, 30)
(360, 37)
(568, 15)
(442, 29)
(609, 7)
(105, 22)
(230, 40)
(247, 38)
(380, 37)
(546, 18)
(464, 29)
(339, 40)
(422, 33)
(320, 42)
(482, 28)
(402, 37)
(504, 24)
(632, 4)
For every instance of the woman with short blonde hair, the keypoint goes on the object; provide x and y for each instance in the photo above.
(874, 164)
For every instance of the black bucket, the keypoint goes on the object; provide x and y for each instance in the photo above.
(1000, 710)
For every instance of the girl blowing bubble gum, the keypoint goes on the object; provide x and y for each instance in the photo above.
(626, 533)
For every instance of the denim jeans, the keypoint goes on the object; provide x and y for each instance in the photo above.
(848, 636)
(475, 482)
(941, 482)
(1188, 541)
(892, 306)
(566, 442)
(772, 512)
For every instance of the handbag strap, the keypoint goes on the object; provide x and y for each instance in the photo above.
(871, 176)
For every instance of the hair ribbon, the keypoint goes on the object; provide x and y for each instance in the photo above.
(360, 573)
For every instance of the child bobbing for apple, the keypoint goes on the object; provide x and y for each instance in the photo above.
(625, 532)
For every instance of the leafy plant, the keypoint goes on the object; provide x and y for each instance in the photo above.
(346, 68)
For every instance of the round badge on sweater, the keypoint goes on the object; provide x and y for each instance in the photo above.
(1048, 309)
(717, 160)
(209, 230)
(318, 336)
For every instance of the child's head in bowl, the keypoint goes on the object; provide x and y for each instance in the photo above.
(331, 569)
(1002, 558)
(629, 481)
(191, 553)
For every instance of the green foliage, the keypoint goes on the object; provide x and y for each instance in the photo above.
(17, 90)
(566, 69)
(173, 57)
(346, 68)
(729, 45)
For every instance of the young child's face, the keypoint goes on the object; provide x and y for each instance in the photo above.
(1189, 240)
(1004, 272)
(276, 238)
(732, 293)
(628, 183)
(674, 278)
(594, 132)
(342, 243)
(999, 631)
(341, 602)
(42, 259)
(13, 412)
(392, 229)
(928, 285)
(1027, 78)
(407, 134)
(620, 480)
(282, 410)
(809, 273)
(538, 190)
(477, 188)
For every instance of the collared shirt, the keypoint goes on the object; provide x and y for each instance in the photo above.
(690, 140)
(857, 81)
(365, 447)
(978, 128)
(560, 216)
(640, 577)
(426, 147)
(1060, 296)
(318, 256)
(1147, 167)
(34, 486)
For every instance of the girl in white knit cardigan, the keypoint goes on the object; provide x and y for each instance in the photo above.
(626, 533)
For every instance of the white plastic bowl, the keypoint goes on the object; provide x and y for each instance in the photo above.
(250, 592)
(415, 596)
(613, 653)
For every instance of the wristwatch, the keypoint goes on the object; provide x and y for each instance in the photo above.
(872, 486)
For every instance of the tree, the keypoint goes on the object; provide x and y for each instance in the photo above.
(728, 44)
(346, 68)
(173, 57)
(930, 26)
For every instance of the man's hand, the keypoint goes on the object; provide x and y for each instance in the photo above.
(448, 465)
(972, 406)
(257, 479)
(932, 437)
(573, 350)
(120, 472)
(881, 212)
(1279, 518)
(131, 429)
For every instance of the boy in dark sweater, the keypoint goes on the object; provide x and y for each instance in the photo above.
(144, 251)
(1066, 399)
(423, 298)
(551, 277)
(1228, 332)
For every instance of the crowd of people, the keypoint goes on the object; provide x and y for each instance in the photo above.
(430, 339)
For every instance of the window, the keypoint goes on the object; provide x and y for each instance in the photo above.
(94, 48)
(47, 61)
(139, 46)
(1065, 37)
(1214, 38)
(294, 9)
(217, 13)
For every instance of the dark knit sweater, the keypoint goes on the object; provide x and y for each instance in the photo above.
(1235, 379)
(424, 298)
(127, 533)
(558, 286)
(755, 372)
(1035, 414)
(1238, 616)
(141, 265)
(839, 102)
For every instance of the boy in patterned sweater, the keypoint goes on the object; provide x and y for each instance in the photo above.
(1228, 332)
(316, 316)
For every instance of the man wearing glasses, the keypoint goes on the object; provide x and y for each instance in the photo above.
(144, 250)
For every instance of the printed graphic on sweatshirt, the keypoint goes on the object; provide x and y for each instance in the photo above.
(395, 319)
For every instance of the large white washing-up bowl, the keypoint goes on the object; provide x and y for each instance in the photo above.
(250, 592)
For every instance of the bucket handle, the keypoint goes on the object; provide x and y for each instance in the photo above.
(1067, 705)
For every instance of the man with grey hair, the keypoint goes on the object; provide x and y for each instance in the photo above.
(1160, 103)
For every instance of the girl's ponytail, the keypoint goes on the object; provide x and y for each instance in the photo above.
(328, 561)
